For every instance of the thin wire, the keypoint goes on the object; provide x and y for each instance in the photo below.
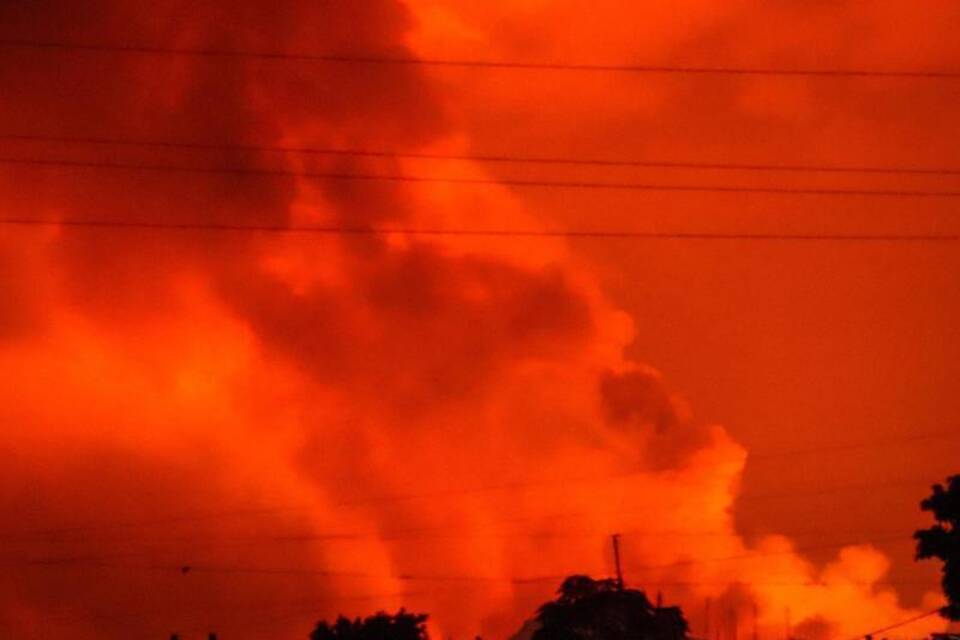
(249, 607)
(187, 568)
(873, 444)
(168, 520)
(855, 487)
(256, 511)
(480, 182)
(127, 225)
(897, 625)
(769, 554)
(871, 487)
(502, 159)
(304, 606)
(371, 59)
(798, 583)
(432, 533)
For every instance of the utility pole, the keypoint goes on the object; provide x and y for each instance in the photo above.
(616, 560)
(756, 616)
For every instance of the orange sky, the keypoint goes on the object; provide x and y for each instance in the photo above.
(317, 424)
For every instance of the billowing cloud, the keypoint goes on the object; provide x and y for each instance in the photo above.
(243, 431)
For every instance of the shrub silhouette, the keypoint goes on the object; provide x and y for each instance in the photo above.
(942, 540)
(380, 626)
(588, 609)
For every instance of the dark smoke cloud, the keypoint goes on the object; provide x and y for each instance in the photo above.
(406, 312)
(815, 628)
(233, 101)
(123, 282)
(638, 401)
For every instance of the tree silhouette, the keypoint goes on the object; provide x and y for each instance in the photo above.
(587, 609)
(942, 540)
(381, 626)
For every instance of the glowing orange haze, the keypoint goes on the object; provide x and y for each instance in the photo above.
(253, 406)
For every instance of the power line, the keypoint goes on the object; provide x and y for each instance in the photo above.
(519, 485)
(480, 182)
(872, 444)
(769, 554)
(188, 568)
(294, 607)
(167, 520)
(130, 225)
(296, 604)
(855, 487)
(431, 495)
(779, 583)
(490, 158)
(383, 60)
(427, 533)
(897, 625)
(388, 535)
(453, 533)
(116, 561)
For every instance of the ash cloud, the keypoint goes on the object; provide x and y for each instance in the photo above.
(366, 387)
